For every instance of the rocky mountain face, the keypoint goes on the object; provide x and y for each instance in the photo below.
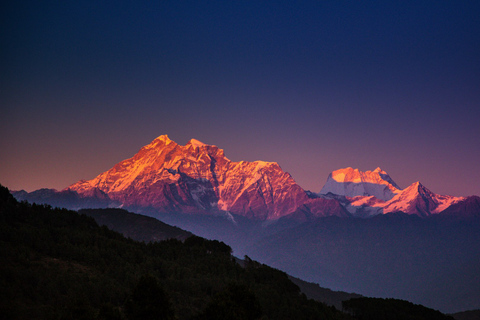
(198, 178)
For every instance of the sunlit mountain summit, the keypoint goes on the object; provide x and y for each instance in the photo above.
(199, 178)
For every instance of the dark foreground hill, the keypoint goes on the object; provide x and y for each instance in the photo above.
(57, 264)
(143, 228)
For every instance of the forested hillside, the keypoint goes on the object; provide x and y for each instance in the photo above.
(135, 226)
(57, 264)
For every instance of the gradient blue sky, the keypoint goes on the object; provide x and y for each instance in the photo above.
(313, 85)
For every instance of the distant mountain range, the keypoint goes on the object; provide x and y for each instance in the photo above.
(199, 179)
(408, 243)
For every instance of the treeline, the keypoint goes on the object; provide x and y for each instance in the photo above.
(392, 309)
(57, 264)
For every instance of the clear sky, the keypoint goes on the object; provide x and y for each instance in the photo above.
(313, 85)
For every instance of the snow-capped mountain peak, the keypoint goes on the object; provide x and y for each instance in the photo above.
(197, 178)
(417, 199)
(351, 182)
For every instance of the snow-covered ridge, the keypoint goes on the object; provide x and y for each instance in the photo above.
(374, 192)
(419, 200)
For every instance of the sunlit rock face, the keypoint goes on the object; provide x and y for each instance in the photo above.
(197, 178)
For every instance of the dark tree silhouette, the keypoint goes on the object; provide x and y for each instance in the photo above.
(236, 302)
(148, 301)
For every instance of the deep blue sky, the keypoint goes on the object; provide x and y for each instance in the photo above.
(312, 85)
